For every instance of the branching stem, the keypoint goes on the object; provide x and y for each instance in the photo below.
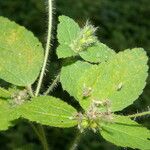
(47, 47)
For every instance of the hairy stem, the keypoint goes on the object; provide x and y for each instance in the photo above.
(76, 141)
(52, 86)
(40, 132)
(139, 114)
(47, 47)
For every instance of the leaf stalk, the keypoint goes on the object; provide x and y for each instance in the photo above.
(52, 86)
(139, 114)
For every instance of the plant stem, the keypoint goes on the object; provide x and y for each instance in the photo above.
(41, 132)
(52, 86)
(76, 141)
(41, 135)
(44, 140)
(29, 88)
(47, 47)
(139, 114)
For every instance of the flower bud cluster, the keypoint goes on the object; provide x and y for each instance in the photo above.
(94, 117)
(19, 97)
(85, 39)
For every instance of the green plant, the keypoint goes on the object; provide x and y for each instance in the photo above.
(102, 81)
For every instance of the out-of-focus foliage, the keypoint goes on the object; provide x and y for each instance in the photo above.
(122, 24)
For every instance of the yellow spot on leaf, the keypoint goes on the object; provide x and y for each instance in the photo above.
(13, 37)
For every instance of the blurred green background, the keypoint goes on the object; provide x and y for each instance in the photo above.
(122, 25)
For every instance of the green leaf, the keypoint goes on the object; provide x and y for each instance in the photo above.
(4, 93)
(50, 111)
(64, 51)
(126, 133)
(67, 31)
(120, 80)
(4, 116)
(97, 53)
(21, 54)
(71, 74)
(7, 114)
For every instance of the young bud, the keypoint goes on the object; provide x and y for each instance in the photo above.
(85, 39)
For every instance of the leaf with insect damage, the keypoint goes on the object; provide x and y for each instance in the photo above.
(51, 111)
(120, 80)
(21, 54)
